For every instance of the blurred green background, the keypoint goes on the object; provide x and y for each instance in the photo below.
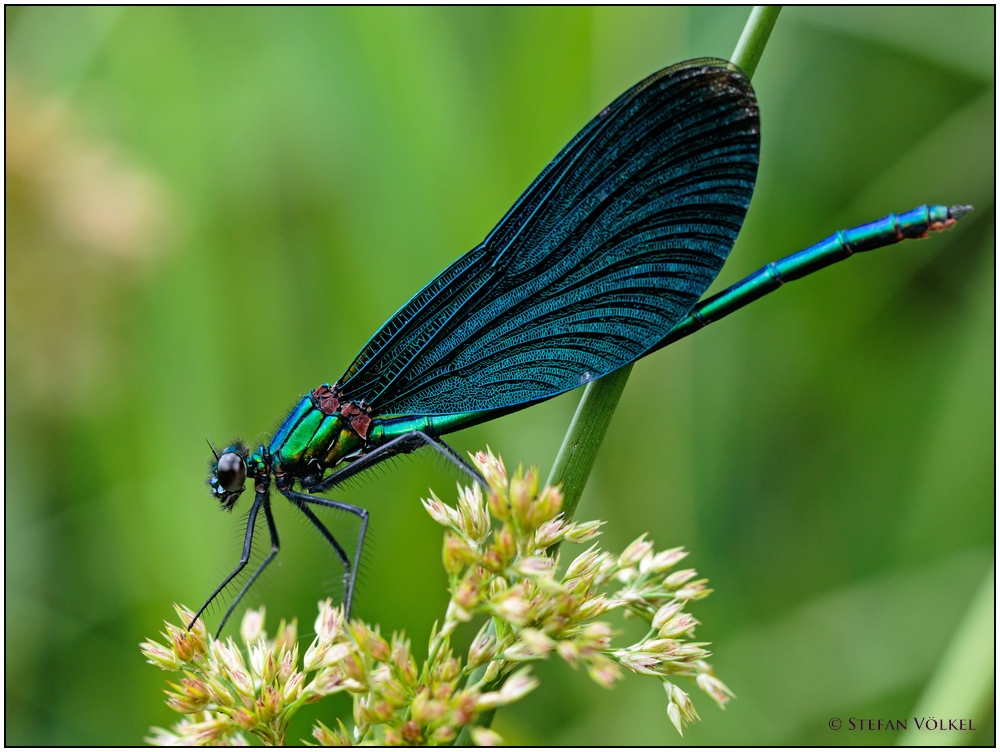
(210, 210)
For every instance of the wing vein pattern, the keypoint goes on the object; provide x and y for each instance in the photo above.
(612, 245)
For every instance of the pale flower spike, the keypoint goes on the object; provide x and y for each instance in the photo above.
(499, 552)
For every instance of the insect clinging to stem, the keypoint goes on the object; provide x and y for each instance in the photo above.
(601, 261)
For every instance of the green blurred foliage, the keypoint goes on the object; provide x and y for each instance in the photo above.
(210, 210)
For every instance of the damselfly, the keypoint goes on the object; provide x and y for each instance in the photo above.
(602, 260)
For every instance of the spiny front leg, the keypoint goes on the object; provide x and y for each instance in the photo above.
(275, 545)
(244, 556)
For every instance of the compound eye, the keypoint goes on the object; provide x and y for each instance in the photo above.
(231, 472)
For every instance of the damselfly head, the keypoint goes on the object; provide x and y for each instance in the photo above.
(229, 475)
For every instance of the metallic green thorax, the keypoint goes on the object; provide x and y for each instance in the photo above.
(311, 441)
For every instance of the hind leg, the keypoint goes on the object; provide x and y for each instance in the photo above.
(408, 442)
(302, 502)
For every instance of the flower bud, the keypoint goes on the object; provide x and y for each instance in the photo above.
(188, 699)
(270, 668)
(329, 622)
(218, 692)
(546, 506)
(680, 624)
(197, 631)
(666, 613)
(379, 648)
(580, 585)
(443, 735)
(714, 688)
(244, 719)
(531, 644)
(581, 532)
(360, 709)
(492, 468)
(513, 608)
(492, 561)
(182, 642)
(535, 566)
(287, 637)
(378, 711)
(603, 670)
(693, 591)
(354, 667)
(683, 702)
(293, 687)
(227, 655)
(504, 544)
(639, 662)
(593, 608)
(689, 652)
(517, 686)
(634, 552)
(360, 634)
(474, 520)
(674, 714)
(425, 709)
(598, 632)
(678, 578)
(404, 662)
(483, 647)
(484, 737)
(410, 731)
(456, 554)
(315, 654)
(584, 563)
(392, 691)
(662, 561)
(467, 595)
(252, 626)
(270, 703)
(440, 512)
(463, 708)
(523, 489)
(569, 652)
(328, 682)
(550, 532)
(448, 670)
(242, 681)
(258, 657)
(160, 656)
(327, 737)
(499, 505)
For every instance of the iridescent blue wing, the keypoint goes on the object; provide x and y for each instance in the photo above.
(608, 248)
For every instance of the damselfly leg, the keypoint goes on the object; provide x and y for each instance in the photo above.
(301, 501)
(262, 499)
(405, 444)
(263, 565)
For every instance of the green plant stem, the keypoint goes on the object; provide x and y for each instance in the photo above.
(754, 37)
(584, 436)
(600, 398)
(963, 679)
